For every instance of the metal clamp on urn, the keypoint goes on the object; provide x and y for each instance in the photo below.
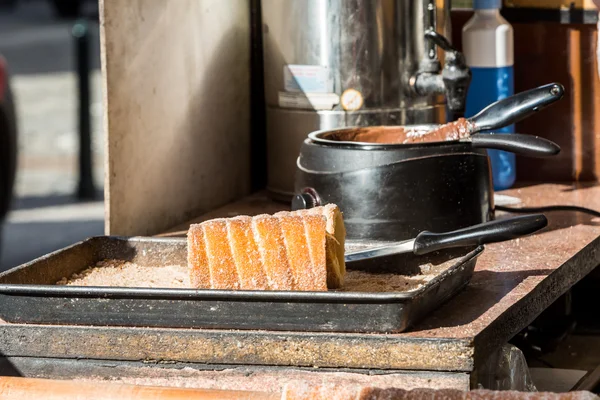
(339, 63)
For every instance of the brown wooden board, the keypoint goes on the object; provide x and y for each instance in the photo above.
(177, 109)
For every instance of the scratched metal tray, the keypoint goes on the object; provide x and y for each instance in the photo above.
(28, 294)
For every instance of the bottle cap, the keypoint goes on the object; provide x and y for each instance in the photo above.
(486, 4)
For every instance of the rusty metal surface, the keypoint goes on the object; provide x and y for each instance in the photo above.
(237, 347)
(507, 274)
(523, 312)
(224, 377)
(512, 283)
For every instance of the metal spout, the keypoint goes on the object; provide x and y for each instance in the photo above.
(452, 81)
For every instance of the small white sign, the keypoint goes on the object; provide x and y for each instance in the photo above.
(308, 101)
(307, 79)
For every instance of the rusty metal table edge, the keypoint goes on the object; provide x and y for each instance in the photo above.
(361, 351)
(203, 375)
(524, 312)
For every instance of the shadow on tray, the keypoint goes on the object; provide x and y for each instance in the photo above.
(7, 368)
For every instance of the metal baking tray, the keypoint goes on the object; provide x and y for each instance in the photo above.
(28, 294)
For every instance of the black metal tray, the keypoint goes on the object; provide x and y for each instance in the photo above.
(28, 294)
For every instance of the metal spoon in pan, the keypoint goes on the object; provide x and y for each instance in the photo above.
(427, 242)
(497, 115)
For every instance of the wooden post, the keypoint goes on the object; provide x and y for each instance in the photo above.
(177, 109)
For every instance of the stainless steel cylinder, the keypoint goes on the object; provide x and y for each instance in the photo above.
(334, 63)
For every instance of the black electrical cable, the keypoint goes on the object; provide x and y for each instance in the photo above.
(549, 209)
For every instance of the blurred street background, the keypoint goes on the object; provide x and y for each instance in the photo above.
(46, 214)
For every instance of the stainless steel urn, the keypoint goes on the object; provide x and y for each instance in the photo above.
(336, 63)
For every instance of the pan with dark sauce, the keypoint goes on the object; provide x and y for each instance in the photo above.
(402, 135)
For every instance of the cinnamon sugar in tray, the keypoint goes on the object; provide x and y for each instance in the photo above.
(120, 273)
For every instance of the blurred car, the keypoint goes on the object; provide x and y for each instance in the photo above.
(8, 141)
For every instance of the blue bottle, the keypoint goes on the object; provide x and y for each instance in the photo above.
(489, 50)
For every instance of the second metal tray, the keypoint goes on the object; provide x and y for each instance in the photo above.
(28, 294)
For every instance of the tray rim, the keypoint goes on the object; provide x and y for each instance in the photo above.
(106, 292)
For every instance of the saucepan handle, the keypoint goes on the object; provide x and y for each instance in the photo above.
(488, 232)
(514, 108)
(526, 145)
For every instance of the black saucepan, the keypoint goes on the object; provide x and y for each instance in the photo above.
(394, 191)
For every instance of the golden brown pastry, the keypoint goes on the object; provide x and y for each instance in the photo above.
(246, 254)
(286, 251)
(335, 241)
(223, 271)
(273, 255)
(197, 261)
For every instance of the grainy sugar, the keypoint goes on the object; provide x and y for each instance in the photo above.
(120, 273)
(360, 281)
